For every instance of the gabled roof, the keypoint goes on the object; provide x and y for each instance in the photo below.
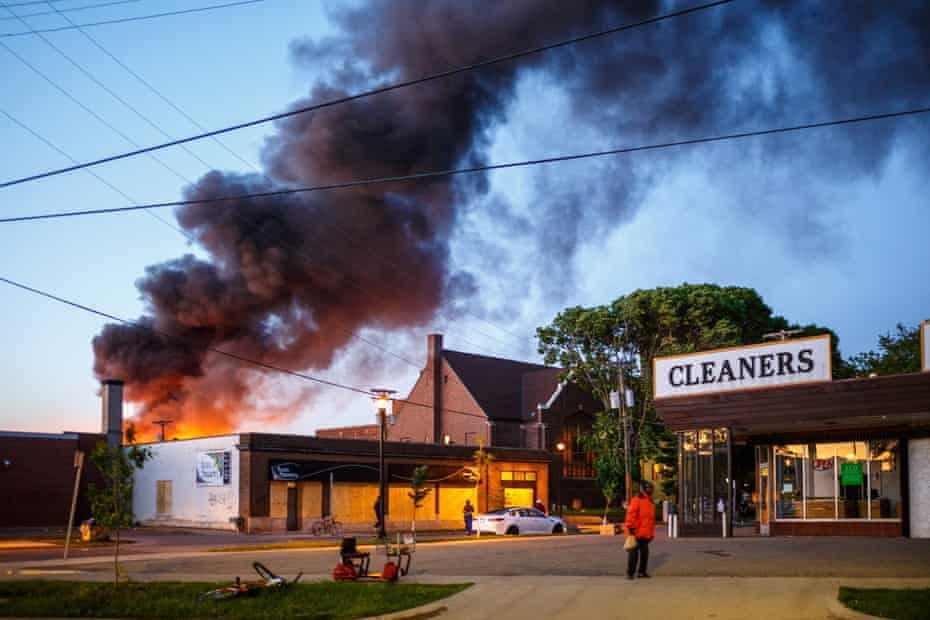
(498, 384)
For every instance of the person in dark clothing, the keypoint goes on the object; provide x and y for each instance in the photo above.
(641, 523)
(379, 514)
(468, 512)
(539, 505)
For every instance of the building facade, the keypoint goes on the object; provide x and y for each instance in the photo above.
(261, 482)
(463, 399)
(766, 437)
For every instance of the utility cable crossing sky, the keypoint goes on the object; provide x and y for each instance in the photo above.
(369, 93)
(473, 169)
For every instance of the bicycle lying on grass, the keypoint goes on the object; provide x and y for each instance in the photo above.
(268, 581)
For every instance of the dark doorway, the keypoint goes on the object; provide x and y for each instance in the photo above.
(293, 518)
(744, 485)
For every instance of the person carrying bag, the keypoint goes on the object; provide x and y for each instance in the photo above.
(640, 528)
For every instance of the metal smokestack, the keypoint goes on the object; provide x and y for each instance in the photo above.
(112, 415)
(434, 365)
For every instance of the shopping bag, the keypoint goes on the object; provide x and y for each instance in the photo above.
(630, 543)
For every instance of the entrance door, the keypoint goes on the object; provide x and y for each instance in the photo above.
(293, 518)
(763, 483)
(705, 487)
(518, 497)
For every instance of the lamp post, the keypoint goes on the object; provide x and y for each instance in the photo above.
(382, 398)
(558, 491)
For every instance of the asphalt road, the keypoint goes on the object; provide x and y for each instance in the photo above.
(587, 555)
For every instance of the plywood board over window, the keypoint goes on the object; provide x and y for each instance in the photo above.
(163, 497)
(311, 498)
(278, 500)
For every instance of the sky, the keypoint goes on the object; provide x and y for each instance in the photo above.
(830, 226)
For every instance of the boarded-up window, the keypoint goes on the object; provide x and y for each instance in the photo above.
(163, 497)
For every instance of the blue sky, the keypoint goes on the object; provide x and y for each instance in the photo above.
(849, 252)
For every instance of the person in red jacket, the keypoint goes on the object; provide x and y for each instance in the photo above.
(641, 523)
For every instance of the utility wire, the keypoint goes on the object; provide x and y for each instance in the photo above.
(123, 20)
(235, 356)
(148, 328)
(370, 93)
(87, 109)
(158, 128)
(93, 173)
(473, 169)
(71, 10)
(32, 2)
(104, 87)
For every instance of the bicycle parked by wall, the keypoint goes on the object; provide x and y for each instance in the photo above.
(327, 526)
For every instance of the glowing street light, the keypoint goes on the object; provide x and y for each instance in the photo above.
(561, 448)
(382, 398)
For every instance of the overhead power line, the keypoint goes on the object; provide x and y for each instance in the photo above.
(148, 328)
(71, 10)
(34, 2)
(473, 169)
(369, 93)
(123, 20)
(235, 356)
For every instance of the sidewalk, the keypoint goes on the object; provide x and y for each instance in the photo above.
(672, 598)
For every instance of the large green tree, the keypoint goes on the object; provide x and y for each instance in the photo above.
(897, 353)
(590, 344)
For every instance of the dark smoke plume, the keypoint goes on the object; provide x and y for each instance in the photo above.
(289, 280)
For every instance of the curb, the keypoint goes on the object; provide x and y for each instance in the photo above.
(841, 612)
(430, 610)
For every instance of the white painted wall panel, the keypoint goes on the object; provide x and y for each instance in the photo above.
(192, 504)
(918, 451)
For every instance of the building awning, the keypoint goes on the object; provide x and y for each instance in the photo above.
(894, 404)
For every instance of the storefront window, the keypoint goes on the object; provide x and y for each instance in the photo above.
(789, 481)
(851, 460)
(842, 480)
(885, 481)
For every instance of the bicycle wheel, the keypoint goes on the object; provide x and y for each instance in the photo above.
(220, 594)
(336, 528)
(263, 571)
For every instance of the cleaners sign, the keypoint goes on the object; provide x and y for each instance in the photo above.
(803, 360)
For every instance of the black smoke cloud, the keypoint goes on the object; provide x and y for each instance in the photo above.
(289, 280)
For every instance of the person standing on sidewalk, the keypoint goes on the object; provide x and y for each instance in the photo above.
(467, 512)
(641, 523)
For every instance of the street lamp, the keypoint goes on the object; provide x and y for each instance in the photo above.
(558, 490)
(382, 398)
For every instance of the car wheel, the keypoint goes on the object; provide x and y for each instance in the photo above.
(512, 530)
(557, 529)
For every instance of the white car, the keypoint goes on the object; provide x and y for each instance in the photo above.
(519, 521)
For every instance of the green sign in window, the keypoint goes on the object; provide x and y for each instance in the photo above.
(851, 474)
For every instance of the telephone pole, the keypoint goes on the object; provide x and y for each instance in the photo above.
(162, 424)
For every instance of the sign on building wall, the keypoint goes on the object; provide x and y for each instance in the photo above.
(803, 360)
(213, 468)
(925, 346)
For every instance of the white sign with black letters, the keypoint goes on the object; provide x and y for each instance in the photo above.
(802, 360)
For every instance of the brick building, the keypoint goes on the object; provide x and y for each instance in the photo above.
(463, 399)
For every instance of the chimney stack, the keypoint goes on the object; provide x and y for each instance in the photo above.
(434, 366)
(112, 418)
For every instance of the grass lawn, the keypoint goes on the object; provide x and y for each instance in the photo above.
(896, 604)
(311, 601)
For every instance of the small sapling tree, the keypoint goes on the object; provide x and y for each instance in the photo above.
(418, 491)
(111, 504)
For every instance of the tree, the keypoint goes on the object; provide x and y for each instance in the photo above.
(897, 353)
(591, 344)
(602, 441)
(418, 491)
(111, 505)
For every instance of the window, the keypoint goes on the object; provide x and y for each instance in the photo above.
(163, 497)
(838, 481)
(576, 462)
(518, 476)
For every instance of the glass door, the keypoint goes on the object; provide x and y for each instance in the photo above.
(763, 486)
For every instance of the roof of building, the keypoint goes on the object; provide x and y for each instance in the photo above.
(497, 384)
